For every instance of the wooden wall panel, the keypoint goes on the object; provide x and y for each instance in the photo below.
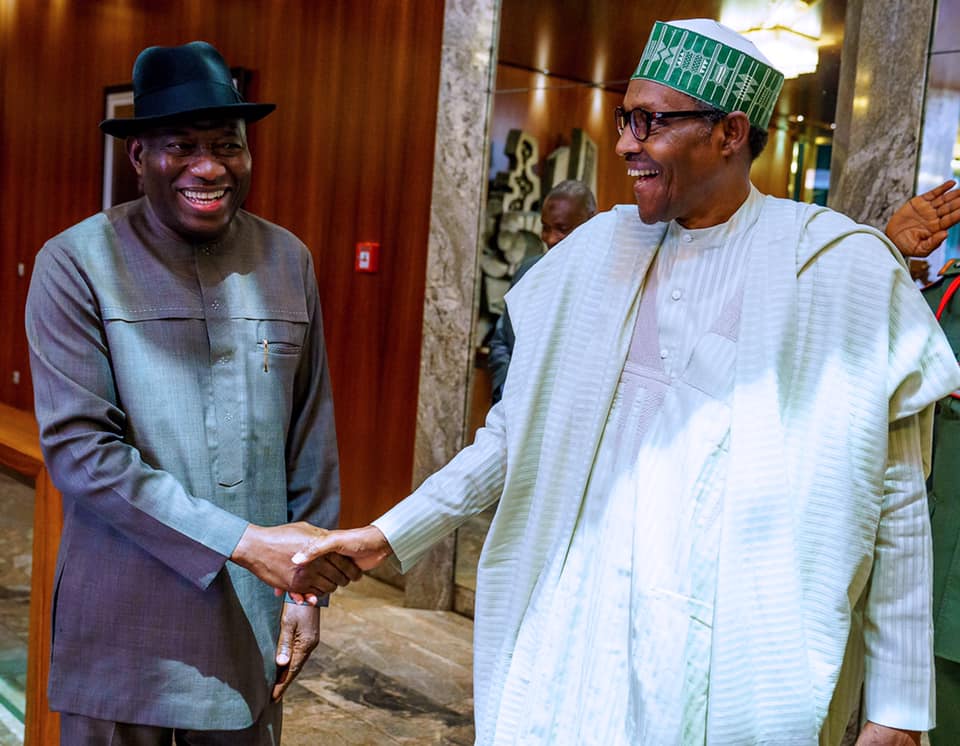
(771, 170)
(348, 156)
(598, 41)
(549, 108)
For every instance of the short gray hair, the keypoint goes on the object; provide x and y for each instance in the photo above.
(575, 191)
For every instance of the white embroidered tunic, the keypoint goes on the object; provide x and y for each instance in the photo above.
(818, 582)
(642, 560)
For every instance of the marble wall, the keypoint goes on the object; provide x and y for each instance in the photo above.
(879, 107)
(467, 69)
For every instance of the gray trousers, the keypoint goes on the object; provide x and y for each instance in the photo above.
(79, 730)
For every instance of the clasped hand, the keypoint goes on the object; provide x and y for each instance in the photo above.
(364, 548)
(266, 551)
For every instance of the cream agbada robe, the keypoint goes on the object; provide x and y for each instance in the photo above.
(834, 345)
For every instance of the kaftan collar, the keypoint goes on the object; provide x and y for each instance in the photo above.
(715, 236)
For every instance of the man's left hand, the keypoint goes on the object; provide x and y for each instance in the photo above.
(880, 735)
(299, 635)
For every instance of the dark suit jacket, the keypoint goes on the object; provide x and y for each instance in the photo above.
(501, 343)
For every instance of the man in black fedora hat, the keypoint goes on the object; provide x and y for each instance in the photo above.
(184, 403)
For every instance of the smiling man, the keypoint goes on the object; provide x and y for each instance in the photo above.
(709, 456)
(184, 403)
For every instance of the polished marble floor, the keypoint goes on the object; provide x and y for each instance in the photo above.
(16, 540)
(382, 674)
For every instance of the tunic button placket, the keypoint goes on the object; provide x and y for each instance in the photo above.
(226, 374)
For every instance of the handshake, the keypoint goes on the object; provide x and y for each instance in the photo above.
(306, 561)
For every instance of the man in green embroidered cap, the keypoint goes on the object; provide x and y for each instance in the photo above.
(185, 412)
(709, 455)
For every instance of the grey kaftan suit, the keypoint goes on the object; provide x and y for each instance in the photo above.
(168, 427)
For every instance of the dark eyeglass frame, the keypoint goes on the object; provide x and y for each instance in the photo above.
(621, 115)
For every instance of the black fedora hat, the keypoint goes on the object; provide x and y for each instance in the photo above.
(180, 84)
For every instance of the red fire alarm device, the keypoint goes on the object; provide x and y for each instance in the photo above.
(367, 257)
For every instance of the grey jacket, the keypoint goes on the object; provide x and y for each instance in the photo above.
(168, 427)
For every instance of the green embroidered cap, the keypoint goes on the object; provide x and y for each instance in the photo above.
(712, 63)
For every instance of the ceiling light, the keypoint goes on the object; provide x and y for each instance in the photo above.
(791, 52)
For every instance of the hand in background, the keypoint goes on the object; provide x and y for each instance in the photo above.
(366, 546)
(921, 224)
(266, 550)
(299, 635)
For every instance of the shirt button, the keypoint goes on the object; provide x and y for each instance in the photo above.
(676, 294)
(215, 304)
(228, 417)
(206, 250)
(687, 237)
(663, 354)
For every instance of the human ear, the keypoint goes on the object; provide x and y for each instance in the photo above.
(134, 147)
(736, 133)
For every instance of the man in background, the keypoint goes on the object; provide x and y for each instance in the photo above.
(185, 412)
(565, 207)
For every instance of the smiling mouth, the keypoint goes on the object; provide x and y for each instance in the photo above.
(202, 198)
(642, 173)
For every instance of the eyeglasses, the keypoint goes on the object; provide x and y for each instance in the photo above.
(641, 119)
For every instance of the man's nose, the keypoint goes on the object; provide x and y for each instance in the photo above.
(206, 166)
(627, 143)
